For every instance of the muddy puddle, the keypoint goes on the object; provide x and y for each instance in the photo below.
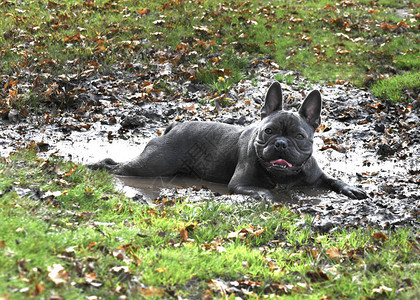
(365, 142)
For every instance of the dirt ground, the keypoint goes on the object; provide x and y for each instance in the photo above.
(363, 141)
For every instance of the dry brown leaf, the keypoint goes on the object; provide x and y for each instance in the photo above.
(380, 236)
(152, 292)
(160, 270)
(57, 274)
(37, 291)
(184, 235)
(334, 253)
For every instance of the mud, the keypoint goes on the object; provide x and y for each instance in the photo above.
(362, 141)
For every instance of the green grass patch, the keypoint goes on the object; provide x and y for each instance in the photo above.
(324, 41)
(66, 232)
(398, 88)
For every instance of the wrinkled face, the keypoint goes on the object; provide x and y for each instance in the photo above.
(284, 143)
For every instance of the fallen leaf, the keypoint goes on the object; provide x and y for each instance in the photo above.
(89, 277)
(382, 290)
(57, 274)
(121, 254)
(380, 236)
(202, 29)
(218, 285)
(91, 245)
(334, 253)
(184, 235)
(71, 171)
(121, 269)
(143, 11)
(342, 51)
(280, 288)
(317, 276)
(152, 292)
(314, 253)
(233, 235)
(220, 249)
(53, 194)
(160, 270)
(37, 291)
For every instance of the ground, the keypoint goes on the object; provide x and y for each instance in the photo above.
(367, 142)
(85, 80)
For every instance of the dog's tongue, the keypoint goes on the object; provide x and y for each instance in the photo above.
(281, 162)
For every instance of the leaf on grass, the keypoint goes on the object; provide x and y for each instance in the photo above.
(91, 245)
(52, 194)
(221, 72)
(382, 290)
(70, 251)
(233, 235)
(220, 249)
(160, 270)
(74, 38)
(274, 267)
(314, 253)
(342, 51)
(143, 11)
(37, 291)
(219, 285)
(71, 171)
(89, 277)
(280, 288)
(317, 276)
(121, 255)
(387, 27)
(121, 269)
(380, 236)
(152, 292)
(184, 235)
(57, 274)
(244, 232)
(334, 253)
(296, 20)
(202, 29)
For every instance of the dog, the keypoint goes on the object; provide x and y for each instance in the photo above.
(253, 160)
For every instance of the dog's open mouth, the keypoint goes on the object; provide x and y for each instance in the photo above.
(281, 163)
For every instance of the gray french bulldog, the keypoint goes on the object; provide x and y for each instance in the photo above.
(252, 160)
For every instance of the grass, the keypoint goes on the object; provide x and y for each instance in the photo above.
(391, 88)
(66, 232)
(325, 41)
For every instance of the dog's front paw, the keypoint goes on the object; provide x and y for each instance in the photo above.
(353, 192)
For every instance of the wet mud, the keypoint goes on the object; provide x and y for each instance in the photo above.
(369, 143)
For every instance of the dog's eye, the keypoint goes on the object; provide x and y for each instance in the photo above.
(300, 136)
(268, 131)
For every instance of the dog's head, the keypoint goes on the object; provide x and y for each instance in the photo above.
(284, 139)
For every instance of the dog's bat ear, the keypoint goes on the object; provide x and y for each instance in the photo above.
(310, 109)
(273, 100)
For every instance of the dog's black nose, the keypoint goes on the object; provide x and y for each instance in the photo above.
(280, 144)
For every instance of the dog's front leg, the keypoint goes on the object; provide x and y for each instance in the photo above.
(341, 187)
(253, 191)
